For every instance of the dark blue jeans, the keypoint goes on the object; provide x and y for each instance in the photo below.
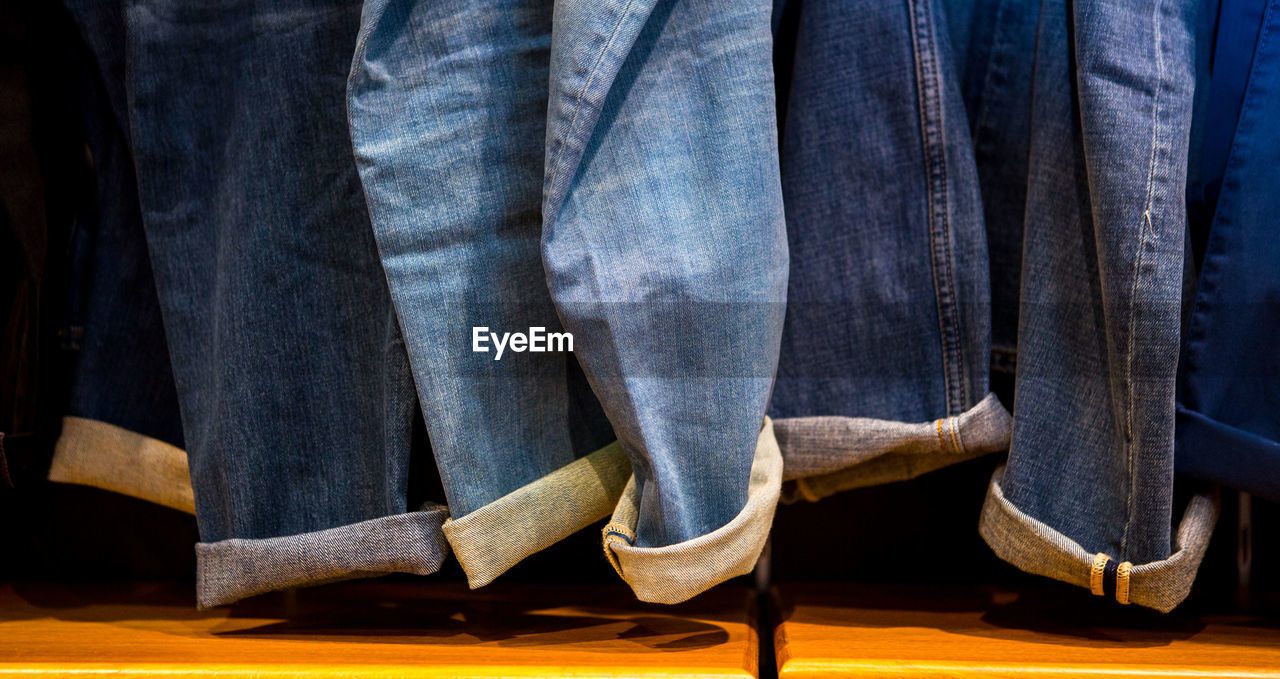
(1228, 421)
(883, 372)
(291, 374)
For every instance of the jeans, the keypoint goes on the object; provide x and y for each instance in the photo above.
(293, 381)
(883, 373)
(123, 431)
(606, 169)
(1228, 429)
(1087, 494)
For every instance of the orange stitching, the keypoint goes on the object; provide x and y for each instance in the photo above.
(1096, 574)
(1122, 582)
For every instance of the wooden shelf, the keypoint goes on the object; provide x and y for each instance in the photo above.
(375, 629)
(837, 631)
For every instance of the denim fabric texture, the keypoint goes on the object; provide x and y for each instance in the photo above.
(886, 346)
(123, 431)
(993, 41)
(455, 206)
(292, 378)
(1228, 428)
(1091, 461)
(587, 213)
(666, 255)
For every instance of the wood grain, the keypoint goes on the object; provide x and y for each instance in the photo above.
(846, 630)
(374, 630)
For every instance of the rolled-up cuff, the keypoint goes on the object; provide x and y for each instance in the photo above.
(229, 570)
(826, 455)
(500, 534)
(1036, 548)
(674, 573)
(93, 453)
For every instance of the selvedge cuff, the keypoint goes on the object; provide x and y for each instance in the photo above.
(1036, 548)
(826, 455)
(674, 573)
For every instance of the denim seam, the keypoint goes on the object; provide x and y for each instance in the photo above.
(956, 439)
(572, 133)
(1144, 233)
(934, 151)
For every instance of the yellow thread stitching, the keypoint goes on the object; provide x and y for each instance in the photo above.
(955, 440)
(942, 441)
(805, 491)
(1096, 573)
(1122, 582)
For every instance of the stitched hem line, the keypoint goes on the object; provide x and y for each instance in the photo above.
(230, 570)
(500, 534)
(675, 573)
(825, 455)
(94, 453)
(1036, 548)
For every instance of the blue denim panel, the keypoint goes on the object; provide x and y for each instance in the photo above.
(1229, 415)
(888, 307)
(294, 384)
(1237, 32)
(1092, 451)
(122, 374)
(448, 110)
(997, 91)
(664, 242)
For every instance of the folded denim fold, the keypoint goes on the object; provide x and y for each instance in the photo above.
(673, 573)
(102, 455)
(500, 534)
(229, 570)
(1035, 547)
(825, 455)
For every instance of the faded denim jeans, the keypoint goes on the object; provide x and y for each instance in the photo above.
(1087, 494)
(608, 169)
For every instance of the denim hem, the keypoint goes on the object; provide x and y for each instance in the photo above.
(674, 573)
(500, 534)
(94, 453)
(826, 455)
(1036, 548)
(230, 570)
(1215, 451)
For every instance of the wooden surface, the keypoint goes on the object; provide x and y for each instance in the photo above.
(834, 630)
(374, 629)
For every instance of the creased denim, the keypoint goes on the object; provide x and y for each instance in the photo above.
(447, 106)
(1091, 459)
(293, 382)
(665, 251)
(886, 345)
(603, 168)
